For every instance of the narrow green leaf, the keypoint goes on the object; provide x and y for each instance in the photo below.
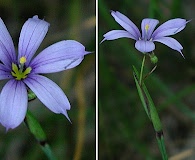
(140, 92)
(47, 150)
(153, 112)
(34, 127)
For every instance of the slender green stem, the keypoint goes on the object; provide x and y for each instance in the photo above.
(142, 69)
(161, 145)
(153, 69)
(48, 151)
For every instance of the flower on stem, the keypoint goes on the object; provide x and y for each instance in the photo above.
(145, 41)
(23, 71)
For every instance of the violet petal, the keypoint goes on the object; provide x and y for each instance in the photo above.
(127, 24)
(13, 104)
(115, 34)
(6, 44)
(5, 73)
(172, 43)
(148, 25)
(58, 57)
(31, 36)
(144, 46)
(169, 28)
(49, 93)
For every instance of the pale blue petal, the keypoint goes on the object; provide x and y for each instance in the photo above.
(5, 73)
(172, 43)
(58, 57)
(31, 36)
(13, 104)
(127, 24)
(151, 24)
(144, 46)
(169, 28)
(115, 34)
(6, 45)
(49, 93)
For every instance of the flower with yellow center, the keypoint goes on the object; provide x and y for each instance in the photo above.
(23, 71)
(145, 39)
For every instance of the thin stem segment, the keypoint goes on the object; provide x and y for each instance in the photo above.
(142, 69)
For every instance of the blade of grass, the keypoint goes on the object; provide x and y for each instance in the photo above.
(140, 92)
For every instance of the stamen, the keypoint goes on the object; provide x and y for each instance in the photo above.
(147, 27)
(22, 60)
(18, 72)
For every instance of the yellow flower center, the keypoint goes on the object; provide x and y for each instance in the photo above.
(19, 72)
(147, 27)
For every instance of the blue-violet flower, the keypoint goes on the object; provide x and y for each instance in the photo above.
(24, 72)
(145, 41)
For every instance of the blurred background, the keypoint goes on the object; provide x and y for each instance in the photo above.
(125, 131)
(76, 140)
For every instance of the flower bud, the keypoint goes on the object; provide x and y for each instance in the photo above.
(153, 58)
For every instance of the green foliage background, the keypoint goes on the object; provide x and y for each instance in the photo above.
(125, 131)
(76, 140)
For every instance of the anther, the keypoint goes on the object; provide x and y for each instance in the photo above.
(22, 60)
(147, 27)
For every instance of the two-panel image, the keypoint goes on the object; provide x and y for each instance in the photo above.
(97, 80)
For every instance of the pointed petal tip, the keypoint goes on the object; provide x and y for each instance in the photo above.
(111, 11)
(35, 17)
(187, 21)
(102, 40)
(88, 52)
(66, 115)
(181, 54)
(8, 128)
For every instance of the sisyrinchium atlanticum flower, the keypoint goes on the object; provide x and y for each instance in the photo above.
(145, 41)
(23, 71)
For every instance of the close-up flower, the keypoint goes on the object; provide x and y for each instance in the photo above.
(145, 41)
(23, 71)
